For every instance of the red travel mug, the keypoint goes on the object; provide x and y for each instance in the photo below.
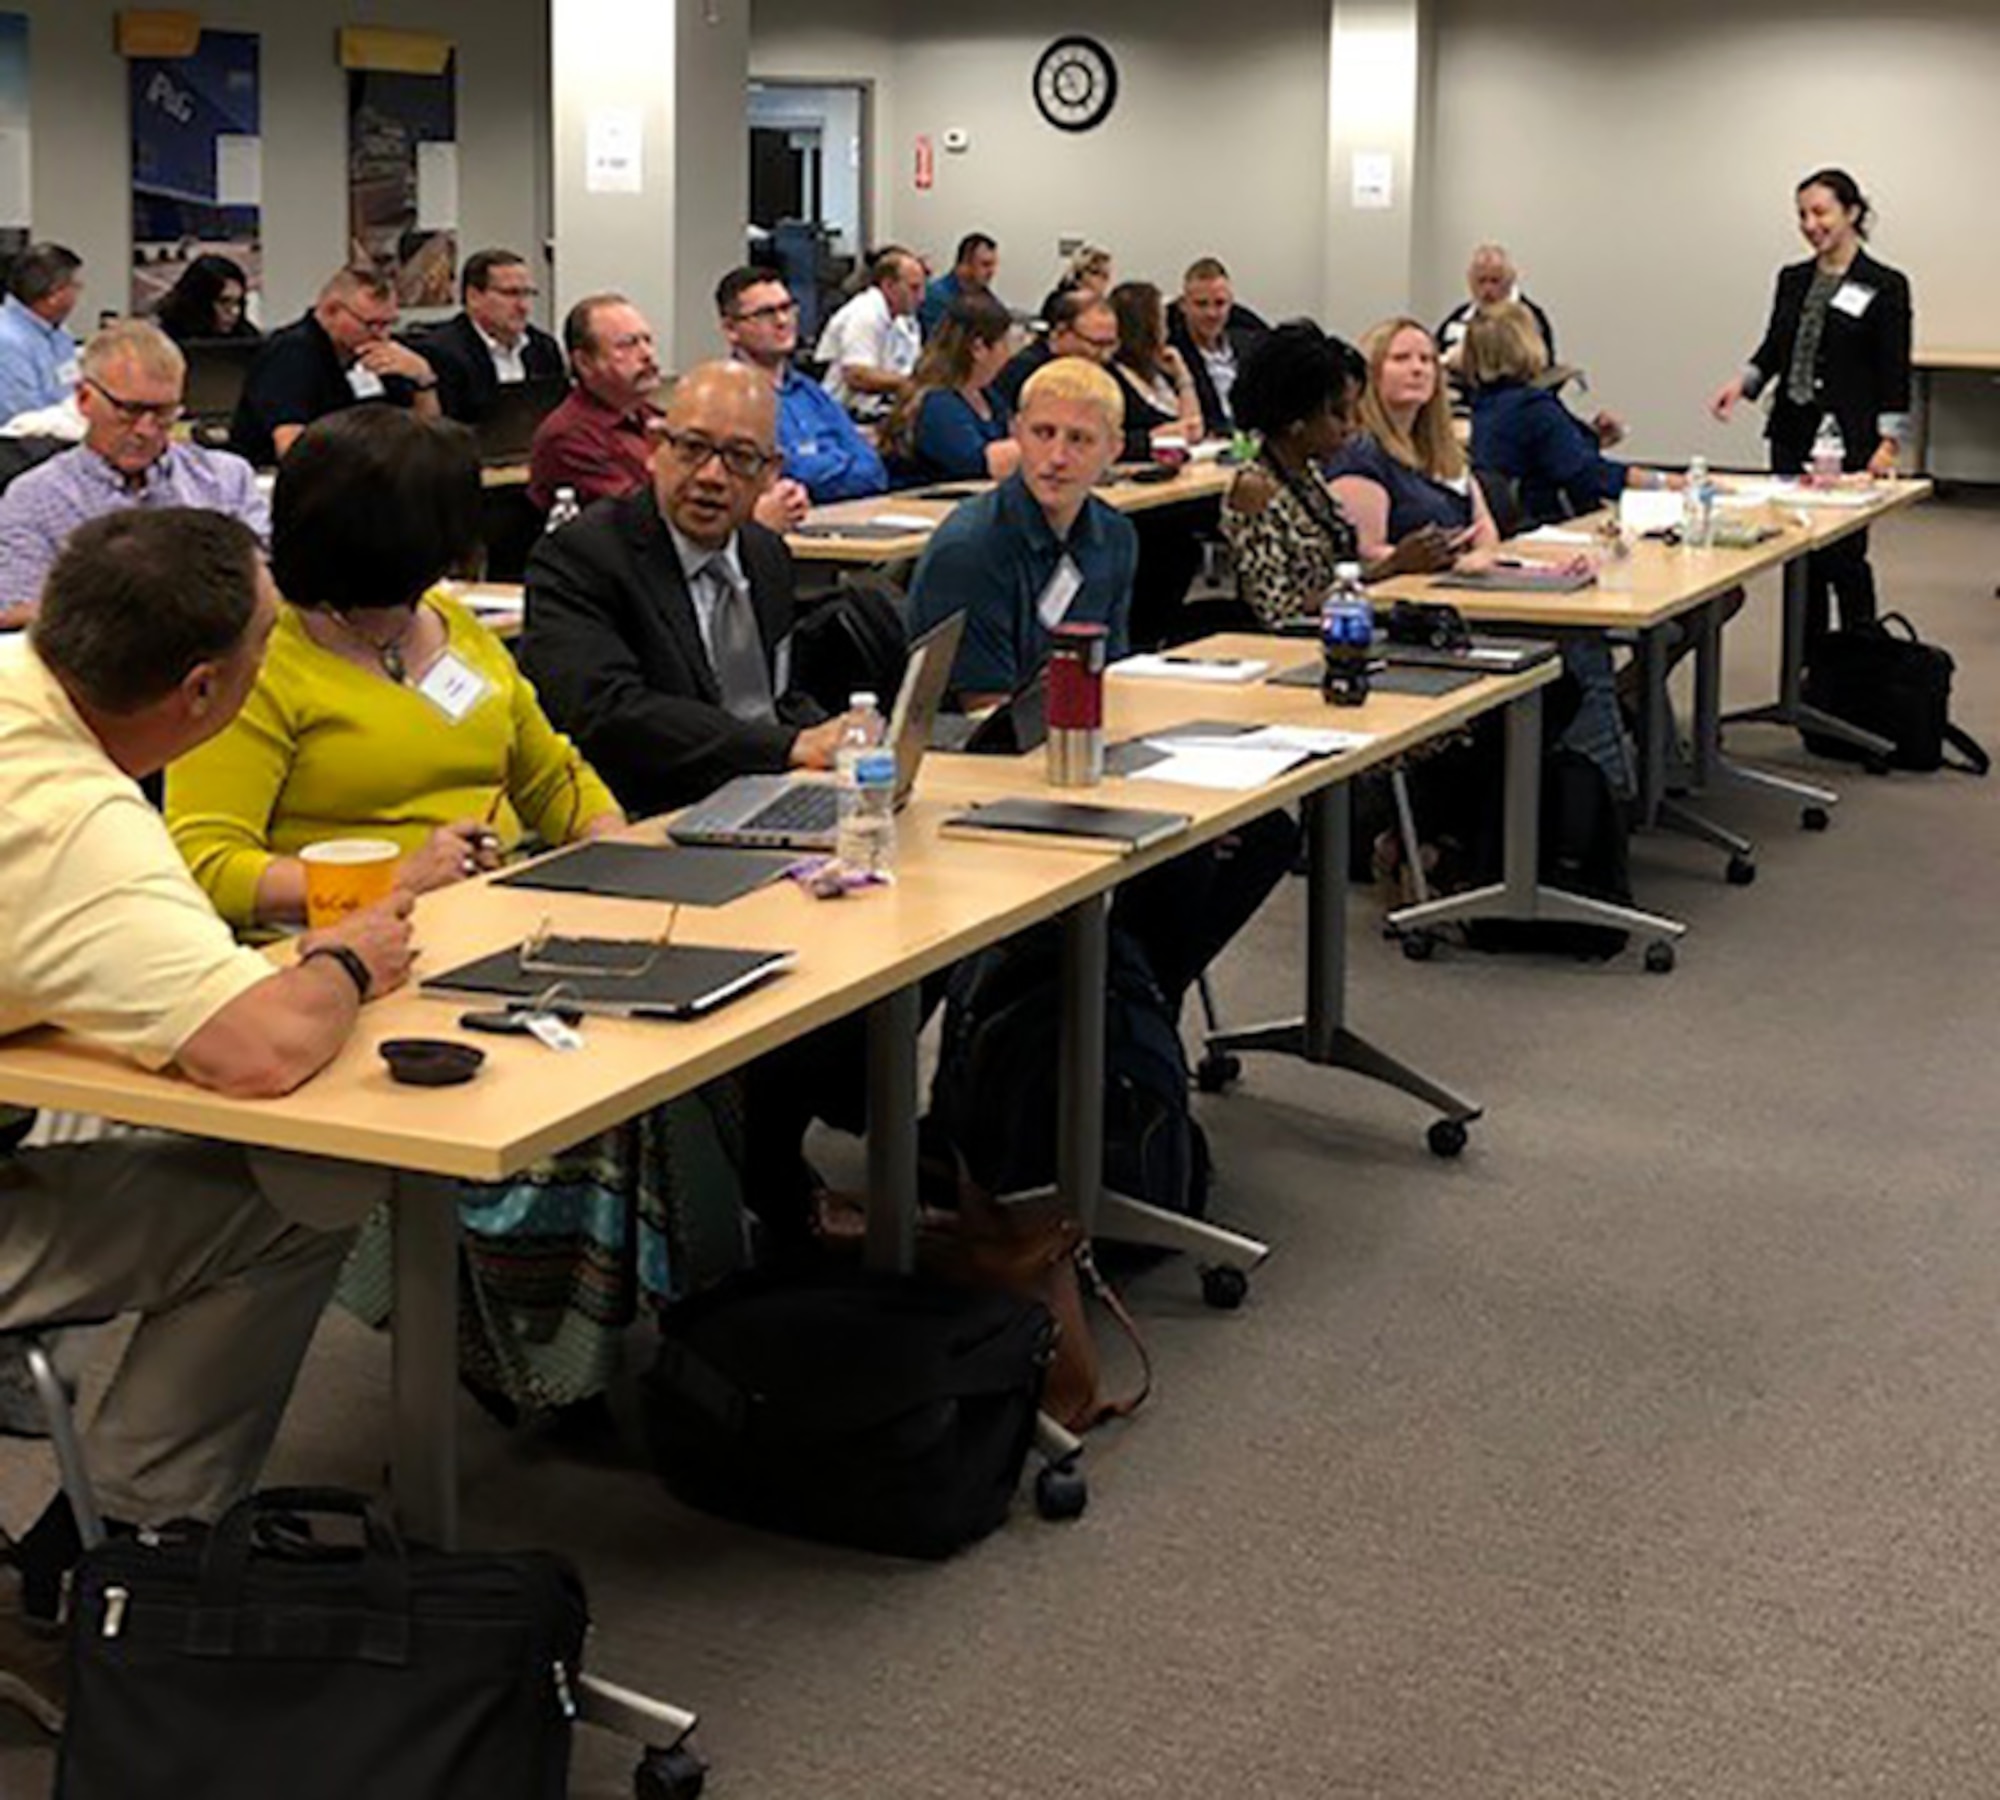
(1077, 655)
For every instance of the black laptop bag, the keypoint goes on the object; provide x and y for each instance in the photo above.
(235, 1665)
(1892, 683)
(890, 1412)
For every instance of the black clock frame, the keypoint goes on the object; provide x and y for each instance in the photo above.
(1105, 100)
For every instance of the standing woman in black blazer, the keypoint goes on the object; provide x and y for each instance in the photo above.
(1838, 345)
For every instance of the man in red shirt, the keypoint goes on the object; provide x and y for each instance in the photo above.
(600, 440)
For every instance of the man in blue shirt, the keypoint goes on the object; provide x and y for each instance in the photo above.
(822, 449)
(1039, 549)
(971, 272)
(37, 356)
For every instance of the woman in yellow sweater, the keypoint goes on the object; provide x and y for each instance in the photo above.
(385, 709)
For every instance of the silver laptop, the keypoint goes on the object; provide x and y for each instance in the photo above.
(795, 812)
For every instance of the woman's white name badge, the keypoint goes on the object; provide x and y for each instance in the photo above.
(1852, 298)
(453, 686)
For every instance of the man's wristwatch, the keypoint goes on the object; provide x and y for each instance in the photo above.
(348, 959)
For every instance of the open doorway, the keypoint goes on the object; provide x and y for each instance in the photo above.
(809, 187)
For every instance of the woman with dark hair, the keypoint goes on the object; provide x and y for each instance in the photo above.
(1160, 396)
(951, 424)
(1837, 346)
(207, 302)
(385, 709)
(1286, 532)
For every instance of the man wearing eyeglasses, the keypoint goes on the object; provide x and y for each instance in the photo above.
(1081, 324)
(822, 449)
(658, 636)
(129, 393)
(339, 354)
(492, 343)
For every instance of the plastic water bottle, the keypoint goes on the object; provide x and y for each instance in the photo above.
(867, 841)
(1698, 506)
(1346, 638)
(1829, 454)
(566, 508)
(865, 729)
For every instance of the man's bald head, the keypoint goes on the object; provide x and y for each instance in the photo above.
(718, 450)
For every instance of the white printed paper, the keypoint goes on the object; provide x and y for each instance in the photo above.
(1641, 510)
(437, 187)
(1374, 180)
(1219, 766)
(1227, 671)
(614, 151)
(239, 171)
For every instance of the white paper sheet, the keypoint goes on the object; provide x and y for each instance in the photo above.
(1225, 671)
(239, 171)
(614, 152)
(1555, 534)
(1219, 766)
(904, 521)
(437, 187)
(1374, 180)
(1649, 509)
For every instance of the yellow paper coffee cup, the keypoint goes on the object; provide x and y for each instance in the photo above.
(345, 874)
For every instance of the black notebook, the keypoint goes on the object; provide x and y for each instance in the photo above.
(631, 977)
(703, 877)
(1519, 578)
(1121, 828)
(1426, 682)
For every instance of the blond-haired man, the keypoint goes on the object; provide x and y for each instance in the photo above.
(131, 375)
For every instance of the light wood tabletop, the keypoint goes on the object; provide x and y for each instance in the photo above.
(952, 896)
(822, 541)
(1979, 362)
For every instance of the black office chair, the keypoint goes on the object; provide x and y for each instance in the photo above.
(32, 1343)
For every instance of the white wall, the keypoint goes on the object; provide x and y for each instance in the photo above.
(1640, 163)
(1214, 145)
(82, 131)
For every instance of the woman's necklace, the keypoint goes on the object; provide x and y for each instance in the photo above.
(388, 651)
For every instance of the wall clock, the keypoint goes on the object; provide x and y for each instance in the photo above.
(1075, 83)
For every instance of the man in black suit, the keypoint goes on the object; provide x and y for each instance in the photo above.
(659, 625)
(1213, 335)
(658, 635)
(491, 342)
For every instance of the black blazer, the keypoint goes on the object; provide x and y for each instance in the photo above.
(612, 646)
(467, 385)
(1243, 328)
(1863, 369)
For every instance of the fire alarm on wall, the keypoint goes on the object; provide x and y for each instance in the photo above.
(957, 140)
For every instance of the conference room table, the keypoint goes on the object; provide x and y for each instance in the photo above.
(1648, 597)
(1927, 363)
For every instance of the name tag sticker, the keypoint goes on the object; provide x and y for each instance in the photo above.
(453, 686)
(1852, 298)
(365, 384)
(1057, 598)
(67, 372)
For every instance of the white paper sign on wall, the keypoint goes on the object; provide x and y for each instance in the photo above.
(614, 151)
(1374, 180)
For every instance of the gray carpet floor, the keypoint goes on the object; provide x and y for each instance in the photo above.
(1648, 1450)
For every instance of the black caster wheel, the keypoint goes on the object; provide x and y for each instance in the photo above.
(1218, 1071)
(1061, 1491)
(1446, 1137)
(1741, 871)
(1418, 946)
(676, 1774)
(1660, 957)
(1815, 818)
(1224, 1289)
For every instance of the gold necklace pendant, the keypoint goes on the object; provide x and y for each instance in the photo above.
(393, 664)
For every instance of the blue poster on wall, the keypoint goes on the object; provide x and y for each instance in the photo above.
(14, 218)
(197, 162)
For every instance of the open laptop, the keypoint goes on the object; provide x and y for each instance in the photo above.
(216, 371)
(794, 812)
(507, 433)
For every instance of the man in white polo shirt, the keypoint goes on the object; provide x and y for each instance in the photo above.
(872, 343)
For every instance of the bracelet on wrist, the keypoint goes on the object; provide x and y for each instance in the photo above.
(349, 960)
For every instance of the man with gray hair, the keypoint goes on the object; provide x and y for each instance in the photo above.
(37, 356)
(129, 392)
(1491, 279)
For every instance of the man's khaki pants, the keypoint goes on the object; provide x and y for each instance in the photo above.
(203, 1242)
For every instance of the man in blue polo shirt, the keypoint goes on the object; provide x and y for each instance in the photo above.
(972, 271)
(1040, 549)
(822, 449)
(37, 356)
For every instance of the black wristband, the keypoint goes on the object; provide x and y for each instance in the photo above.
(350, 960)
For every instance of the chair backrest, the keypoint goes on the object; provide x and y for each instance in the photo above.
(1503, 500)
